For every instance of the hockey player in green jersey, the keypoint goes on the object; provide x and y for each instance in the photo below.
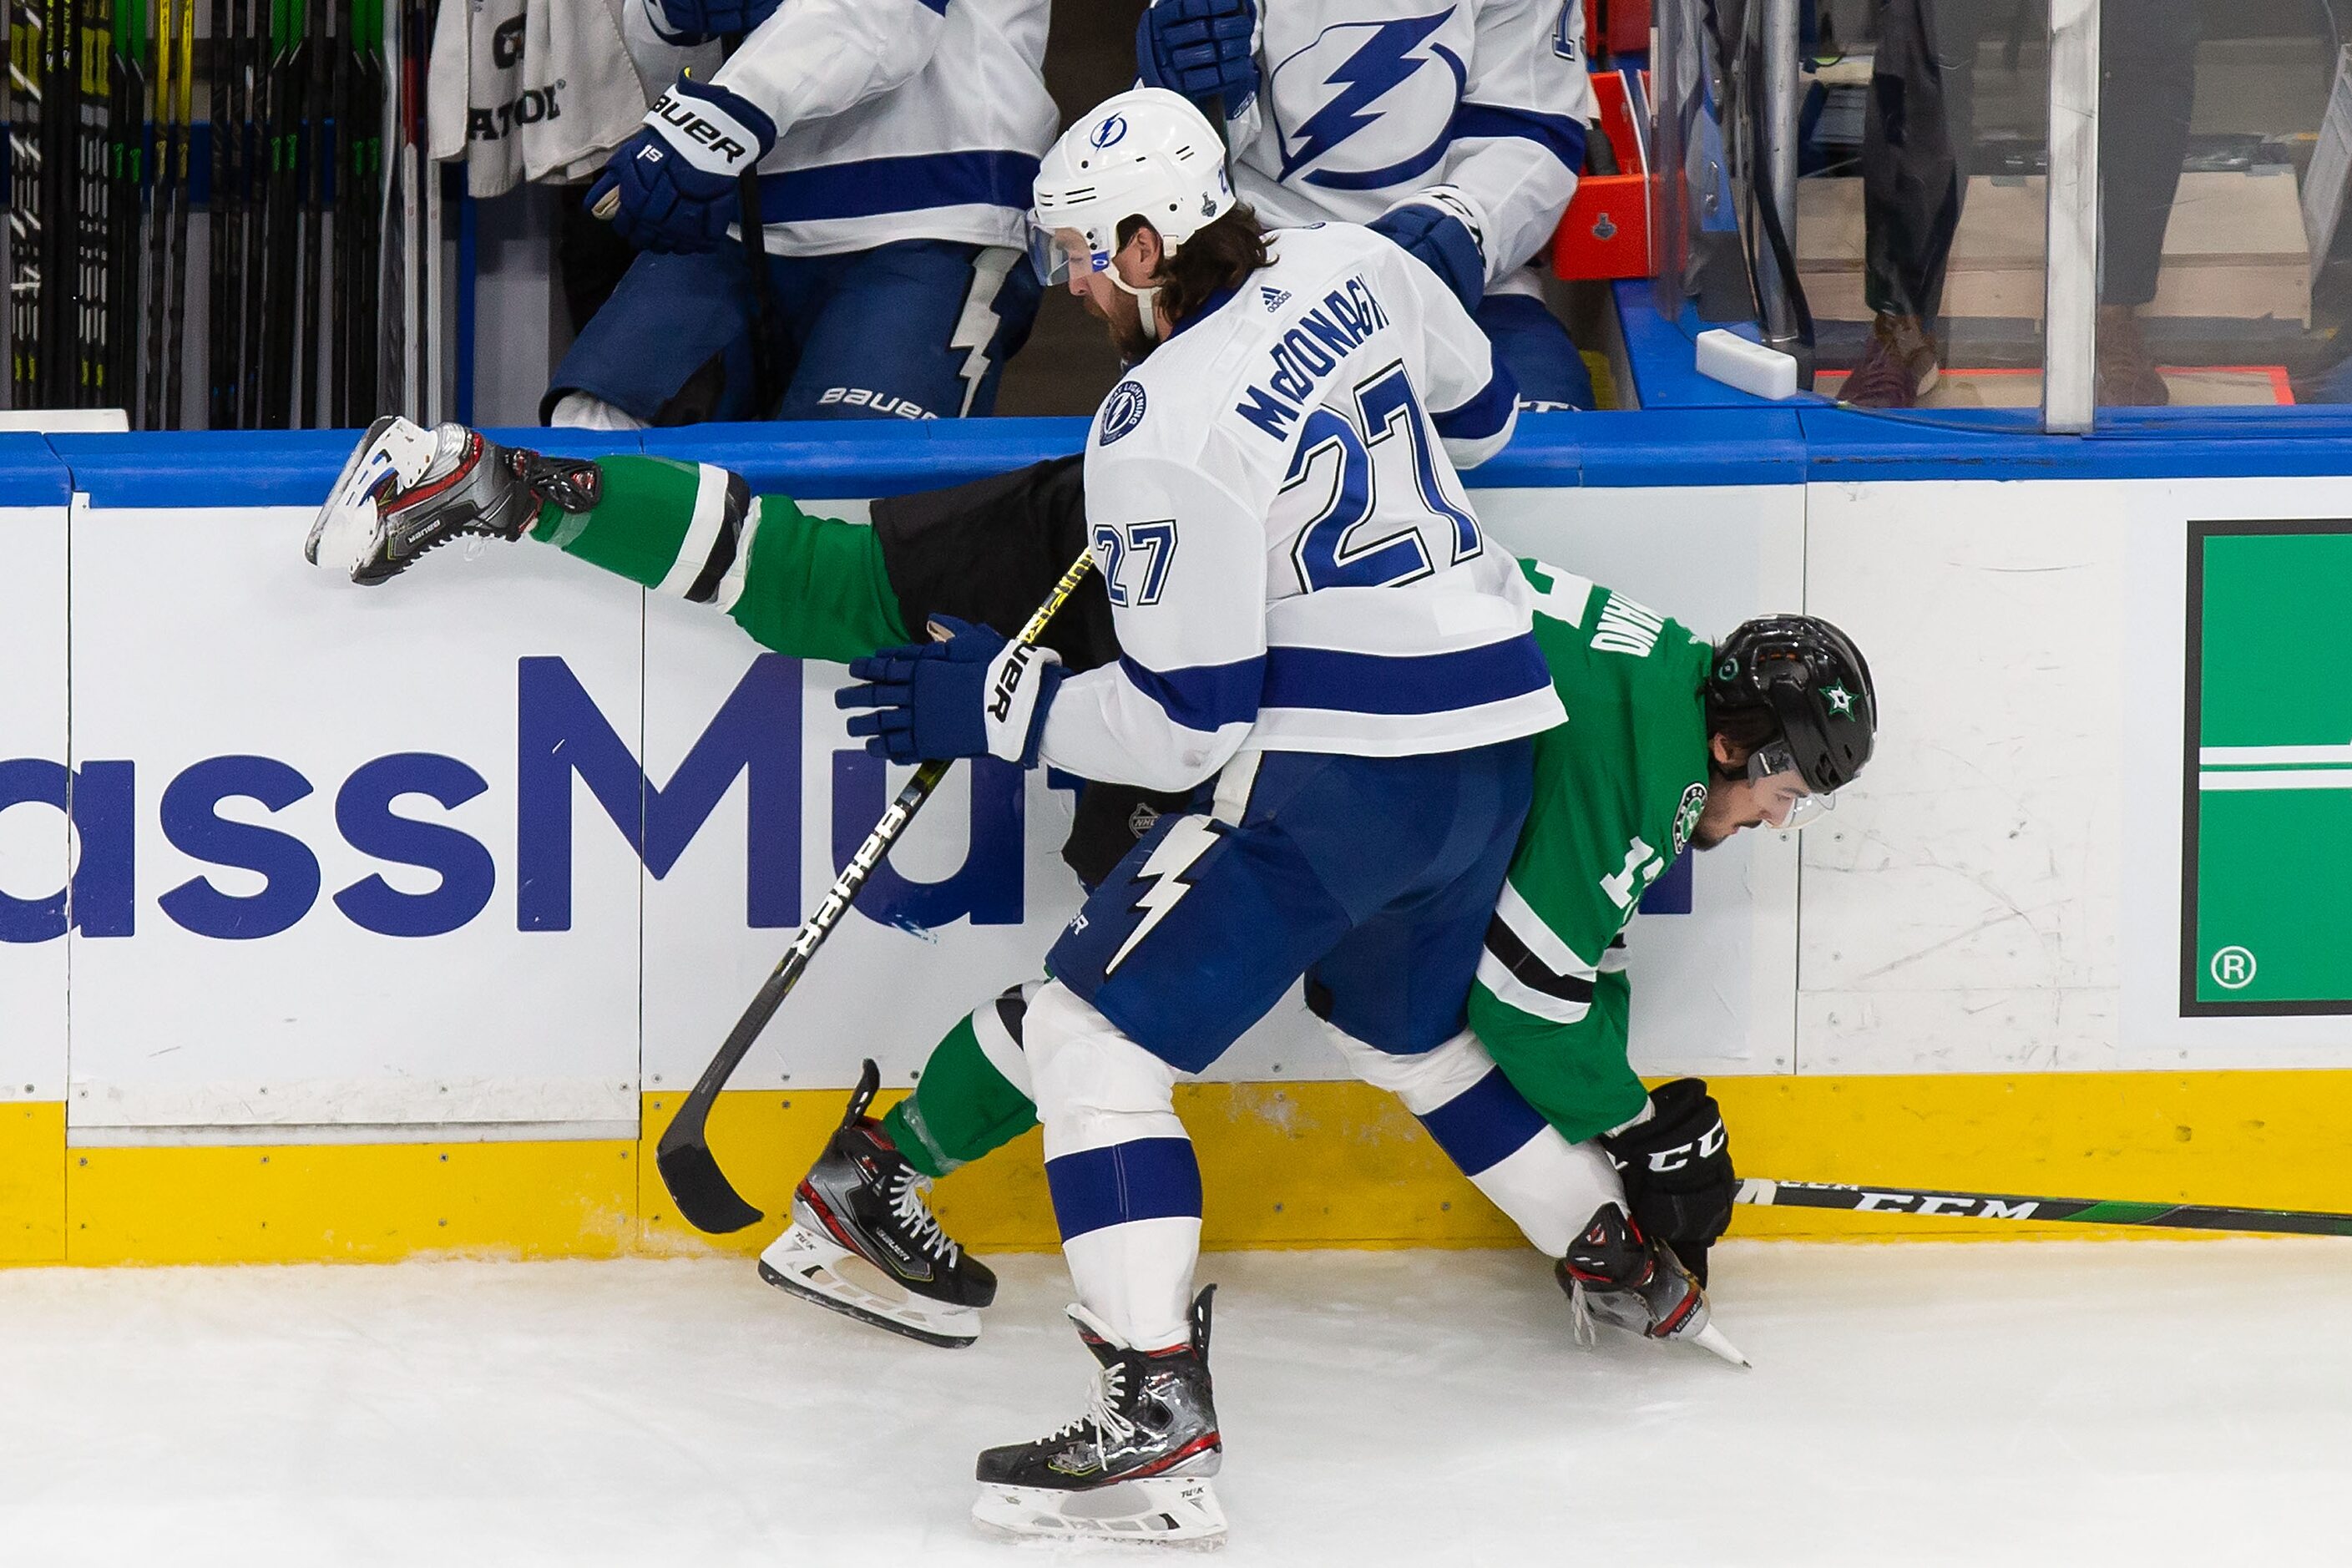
(1672, 742)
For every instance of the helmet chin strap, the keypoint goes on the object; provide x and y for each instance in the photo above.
(1147, 299)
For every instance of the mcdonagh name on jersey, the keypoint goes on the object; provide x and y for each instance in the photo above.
(1307, 352)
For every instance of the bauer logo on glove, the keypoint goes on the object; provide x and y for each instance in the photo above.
(969, 694)
(701, 126)
(673, 187)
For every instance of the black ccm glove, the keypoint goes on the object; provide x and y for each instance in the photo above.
(1678, 1170)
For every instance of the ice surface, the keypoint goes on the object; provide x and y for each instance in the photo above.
(2129, 1404)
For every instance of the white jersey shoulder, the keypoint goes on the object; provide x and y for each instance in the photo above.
(896, 118)
(1365, 101)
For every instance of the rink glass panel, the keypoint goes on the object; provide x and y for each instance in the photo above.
(2267, 856)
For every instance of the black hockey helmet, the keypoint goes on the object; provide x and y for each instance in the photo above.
(1813, 681)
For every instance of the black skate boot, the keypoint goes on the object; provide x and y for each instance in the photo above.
(863, 1199)
(1135, 1467)
(1615, 1273)
(408, 490)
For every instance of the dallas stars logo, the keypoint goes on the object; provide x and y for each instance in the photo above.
(1839, 700)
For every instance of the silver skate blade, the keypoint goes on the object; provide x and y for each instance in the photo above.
(813, 1266)
(1711, 1339)
(1179, 1512)
(394, 452)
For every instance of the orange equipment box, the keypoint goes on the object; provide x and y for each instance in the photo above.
(1605, 231)
(1617, 27)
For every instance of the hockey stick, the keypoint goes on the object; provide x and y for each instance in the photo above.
(1766, 1193)
(699, 1188)
(176, 318)
(753, 229)
(159, 172)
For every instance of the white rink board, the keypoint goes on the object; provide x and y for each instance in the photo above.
(35, 840)
(2001, 892)
(1970, 907)
(240, 649)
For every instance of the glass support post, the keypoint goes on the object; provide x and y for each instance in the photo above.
(2071, 286)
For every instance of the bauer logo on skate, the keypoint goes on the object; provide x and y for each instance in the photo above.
(216, 812)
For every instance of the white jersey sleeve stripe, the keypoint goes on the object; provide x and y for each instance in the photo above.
(701, 531)
(1515, 913)
(1512, 992)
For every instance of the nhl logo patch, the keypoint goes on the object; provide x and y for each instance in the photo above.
(1686, 814)
(1122, 411)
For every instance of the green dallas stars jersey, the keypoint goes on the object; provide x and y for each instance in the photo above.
(1618, 789)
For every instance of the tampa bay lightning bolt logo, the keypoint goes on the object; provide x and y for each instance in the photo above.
(1109, 132)
(1366, 105)
(1122, 411)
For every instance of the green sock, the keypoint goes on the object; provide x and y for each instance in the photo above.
(963, 1105)
(813, 587)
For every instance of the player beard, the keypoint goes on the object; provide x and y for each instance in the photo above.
(1124, 325)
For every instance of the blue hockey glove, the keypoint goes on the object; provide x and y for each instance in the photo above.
(973, 695)
(675, 181)
(1443, 228)
(699, 21)
(1200, 48)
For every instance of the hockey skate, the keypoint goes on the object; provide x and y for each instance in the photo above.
(408, 490)
(864, 1201)
(1135, 1467)
(1615, 1274)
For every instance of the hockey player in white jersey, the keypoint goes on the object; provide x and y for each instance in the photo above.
(1455, 127)
(1308, 616)
(895, 142)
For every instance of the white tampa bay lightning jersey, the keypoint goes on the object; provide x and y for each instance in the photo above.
(1363, 102)
(1291, 560)
(896, 118)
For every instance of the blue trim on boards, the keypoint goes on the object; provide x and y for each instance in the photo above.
(30, 473)
(235, 467)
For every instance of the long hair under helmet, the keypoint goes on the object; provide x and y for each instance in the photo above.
(1815, 686)
(1147, 153)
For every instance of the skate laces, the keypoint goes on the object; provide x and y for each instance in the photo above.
(1102, 1409)
(906, 1203)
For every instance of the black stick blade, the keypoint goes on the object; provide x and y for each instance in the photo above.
(700, 1189)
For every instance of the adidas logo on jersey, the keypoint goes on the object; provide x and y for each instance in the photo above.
(1274, 298)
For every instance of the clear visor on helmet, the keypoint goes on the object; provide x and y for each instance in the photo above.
(1788, 802)
(1053, 252)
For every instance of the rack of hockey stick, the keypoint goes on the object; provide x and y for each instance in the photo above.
(224, 220)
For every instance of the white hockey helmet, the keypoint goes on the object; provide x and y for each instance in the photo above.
(1145, 153)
